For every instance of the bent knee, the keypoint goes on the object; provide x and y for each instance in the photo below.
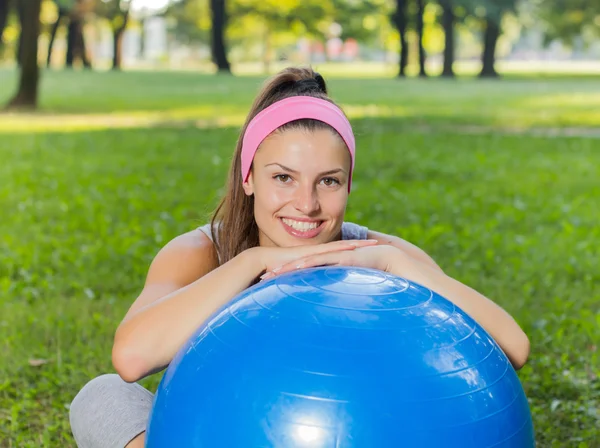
(90, 400)
(107, 403)
(95, 390)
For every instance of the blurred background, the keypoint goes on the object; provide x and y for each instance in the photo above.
(478, 140)
(383, 37)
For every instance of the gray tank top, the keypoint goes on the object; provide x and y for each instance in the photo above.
(350, 231)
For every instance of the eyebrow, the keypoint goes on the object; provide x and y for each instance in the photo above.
(324, 173)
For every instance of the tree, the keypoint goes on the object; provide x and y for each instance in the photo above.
(494, 11)
(75, 40)
(399, 19)
(448, 20)
(191, 21)
(360, 20)
(61, 14)
(420, 33)
(490, 39)
(568, 20)
(117, 14)
(312, 17)
(4, 7)
(219, 23)
(29, 16)
(74, 12)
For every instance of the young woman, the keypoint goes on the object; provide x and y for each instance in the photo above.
(284, 208)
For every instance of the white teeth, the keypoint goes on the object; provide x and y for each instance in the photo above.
(300, 225)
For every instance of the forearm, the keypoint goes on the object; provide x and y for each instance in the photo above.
(148, 341)
(495, 320)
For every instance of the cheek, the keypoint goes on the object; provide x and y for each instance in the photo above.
(271, 199)
(334, 204)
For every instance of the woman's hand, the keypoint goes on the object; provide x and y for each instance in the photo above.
(273, 259)
(380, 257)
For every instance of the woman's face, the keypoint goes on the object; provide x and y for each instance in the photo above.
(299, 180)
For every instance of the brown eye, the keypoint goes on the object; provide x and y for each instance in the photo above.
(282, 177)
(330, 181)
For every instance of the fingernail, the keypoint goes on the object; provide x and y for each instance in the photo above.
(298, 266)
(276, 269)
(266, 275)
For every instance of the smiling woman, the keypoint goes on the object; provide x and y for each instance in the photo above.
(295, 158)
(301, 185)
(284, 208)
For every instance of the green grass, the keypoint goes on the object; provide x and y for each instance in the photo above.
(85, 211)
(96, 98)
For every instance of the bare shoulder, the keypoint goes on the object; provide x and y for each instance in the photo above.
(184, 259)
(180, 262)
(411, 249)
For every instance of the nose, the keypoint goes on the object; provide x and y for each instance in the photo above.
(306, 199)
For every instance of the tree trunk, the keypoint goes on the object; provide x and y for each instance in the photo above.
(76, 43)
(118, 41)
(4, 4)
(420, 29)
(399, 19)
(448, 25)
(142, 37)
(61, 14)
(26, 96)
(219, 23)
(490, 39)
(71, 43)
(21, 7)
(81, 46)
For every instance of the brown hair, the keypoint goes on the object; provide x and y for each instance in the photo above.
(233, 223)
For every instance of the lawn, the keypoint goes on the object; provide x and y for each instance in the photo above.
(116, 164)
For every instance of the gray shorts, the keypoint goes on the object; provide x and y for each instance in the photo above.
(109, 412)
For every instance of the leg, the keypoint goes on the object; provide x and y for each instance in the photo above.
(110, 413)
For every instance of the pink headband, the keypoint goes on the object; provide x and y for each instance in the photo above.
(290, 109)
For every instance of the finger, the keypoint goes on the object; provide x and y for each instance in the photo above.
(326, 259)
(340, 245)
(306, 251)
(356, 243)
(323, 249)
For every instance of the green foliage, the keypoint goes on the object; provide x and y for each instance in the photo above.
(362, 20)
(513, 216)
(493, 9)
(569, 19)
(269, 23)
(191, 21)
(250, 20)
(67, 5)
(113, 11)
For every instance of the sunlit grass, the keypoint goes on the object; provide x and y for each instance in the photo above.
(83, 100)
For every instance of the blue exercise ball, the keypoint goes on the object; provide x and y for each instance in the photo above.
(340, 357)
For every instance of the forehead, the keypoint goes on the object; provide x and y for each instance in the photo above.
(305, 148)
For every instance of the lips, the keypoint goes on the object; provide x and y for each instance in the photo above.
(302, 228)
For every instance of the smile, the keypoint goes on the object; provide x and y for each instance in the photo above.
(302, 229)
(303, 226)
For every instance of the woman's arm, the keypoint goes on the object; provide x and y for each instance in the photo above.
(421, 268)
(495, 320)
(183, 289)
